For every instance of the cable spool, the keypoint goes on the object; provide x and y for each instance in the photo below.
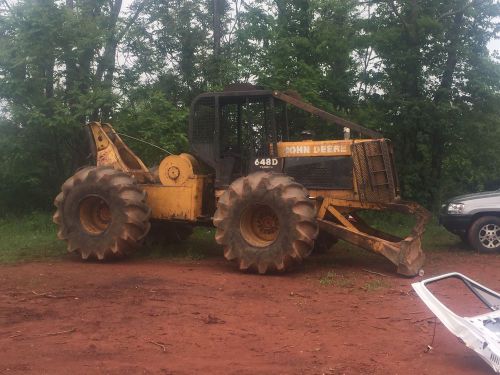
(177, 169)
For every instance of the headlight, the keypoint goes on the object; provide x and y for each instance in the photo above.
(455, 208)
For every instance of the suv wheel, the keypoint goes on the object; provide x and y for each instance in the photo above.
(484, 234)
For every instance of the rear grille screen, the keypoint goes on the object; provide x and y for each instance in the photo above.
(373, 169)
(324, 172)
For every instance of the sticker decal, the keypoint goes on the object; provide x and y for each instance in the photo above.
(316, 149)
(267, 164)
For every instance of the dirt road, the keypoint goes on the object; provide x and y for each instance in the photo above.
(185, 317)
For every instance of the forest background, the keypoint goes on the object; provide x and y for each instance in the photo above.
(420, 71)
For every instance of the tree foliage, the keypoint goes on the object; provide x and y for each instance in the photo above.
(419, 71)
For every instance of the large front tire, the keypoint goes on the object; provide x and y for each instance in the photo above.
(266, 222)
(101, 213)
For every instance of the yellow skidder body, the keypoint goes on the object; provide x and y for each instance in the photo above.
(272, 197)
(180, 195)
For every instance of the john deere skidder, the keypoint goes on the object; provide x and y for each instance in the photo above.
(256, 173)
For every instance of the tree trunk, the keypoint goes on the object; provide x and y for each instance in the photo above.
(217, 31)
(107, 64)
(441, 97)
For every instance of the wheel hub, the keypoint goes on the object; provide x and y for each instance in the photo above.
(259, 225)
(95, 215)
(489, 236)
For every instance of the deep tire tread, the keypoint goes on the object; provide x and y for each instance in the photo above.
(293, 248)
(129, 230)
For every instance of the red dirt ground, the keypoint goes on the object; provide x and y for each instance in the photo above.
(184, 317)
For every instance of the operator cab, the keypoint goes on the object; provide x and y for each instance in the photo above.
(232, 129)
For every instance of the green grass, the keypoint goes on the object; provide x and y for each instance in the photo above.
(375, 284)
(30, 237)
(334, 279)
(33, 237)
(435, 236)
(200, 245)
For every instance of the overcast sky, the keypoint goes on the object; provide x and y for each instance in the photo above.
(494, 45)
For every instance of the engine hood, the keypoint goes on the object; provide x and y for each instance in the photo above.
(470, 197)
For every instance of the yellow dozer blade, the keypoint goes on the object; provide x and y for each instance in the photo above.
(405, 253)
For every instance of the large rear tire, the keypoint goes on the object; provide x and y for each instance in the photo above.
(266, 222)
(101, 213)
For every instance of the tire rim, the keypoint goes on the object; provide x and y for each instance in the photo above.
(95, 214)
(259, 225)
(489, 236)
